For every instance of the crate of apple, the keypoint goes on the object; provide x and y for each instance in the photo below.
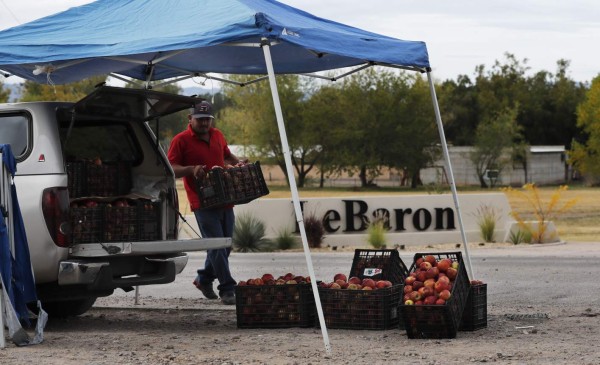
(434, 295)
(269, 302)
(356, 303)
(475, 314)
(379, 265)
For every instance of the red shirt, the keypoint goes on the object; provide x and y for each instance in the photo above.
(187, 149)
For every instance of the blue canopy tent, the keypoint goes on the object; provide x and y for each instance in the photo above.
(172, 40)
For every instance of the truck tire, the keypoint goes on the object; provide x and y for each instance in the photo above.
(68, 308)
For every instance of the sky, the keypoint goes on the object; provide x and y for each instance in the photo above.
(460, 34)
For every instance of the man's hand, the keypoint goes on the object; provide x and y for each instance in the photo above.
(199, 172)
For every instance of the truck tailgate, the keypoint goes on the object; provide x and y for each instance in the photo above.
(147, 247)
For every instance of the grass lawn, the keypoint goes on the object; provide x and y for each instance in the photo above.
(580, 223)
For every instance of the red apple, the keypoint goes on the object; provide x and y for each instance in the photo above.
(340, 276)
(414, 296)
(444, 264)
(409, 280)
(421, 276)
(407, 289)
(451, 273)
(425, 265)
(440, 301)
(417, 284)
(418, 261)
(430, 300)
(242, 283)
(335, 286)
(369, 282)
(352, 286)
(380, 284)
(432, 273)
(267, 277)
(428, 292)
(440, 286)
(429, 283)
(354, 280)
(445, 294)
(431, 259)
(340, 282)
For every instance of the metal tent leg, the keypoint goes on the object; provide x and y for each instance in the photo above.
(440, 126)
(294, 190)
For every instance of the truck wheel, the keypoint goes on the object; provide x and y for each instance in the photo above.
(68, 308)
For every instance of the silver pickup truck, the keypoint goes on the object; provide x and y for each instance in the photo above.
(97, 194)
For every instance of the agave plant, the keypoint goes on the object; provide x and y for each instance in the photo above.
(249, 235)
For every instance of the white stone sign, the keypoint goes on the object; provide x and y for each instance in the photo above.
(411, 219)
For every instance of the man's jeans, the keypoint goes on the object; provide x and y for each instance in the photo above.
(213, 223)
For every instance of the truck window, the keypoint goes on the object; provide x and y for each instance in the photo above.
(14, 130)
(109, 141)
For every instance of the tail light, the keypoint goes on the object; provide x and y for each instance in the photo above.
(55, 206)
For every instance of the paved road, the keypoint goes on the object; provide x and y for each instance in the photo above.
(521, 275)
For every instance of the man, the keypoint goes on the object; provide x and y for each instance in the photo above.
(192, 154)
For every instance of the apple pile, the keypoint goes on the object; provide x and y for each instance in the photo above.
(431, 281)
(269, 279)
(340, 281)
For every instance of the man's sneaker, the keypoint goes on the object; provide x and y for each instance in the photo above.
(207, 291)
(228, 298)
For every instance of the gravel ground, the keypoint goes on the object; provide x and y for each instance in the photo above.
(543, 307)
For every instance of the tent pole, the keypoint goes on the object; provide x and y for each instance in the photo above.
(294, 190)
(440, 126)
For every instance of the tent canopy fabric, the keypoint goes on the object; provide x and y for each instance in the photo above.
(189, 37)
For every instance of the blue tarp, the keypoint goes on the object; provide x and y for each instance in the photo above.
(183, 37)
(15, 268)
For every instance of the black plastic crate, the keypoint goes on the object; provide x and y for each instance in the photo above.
(475, 314)
(438, 321)
(361, 309)
(76, 179)
(121, 222)
(87, 223)
(236, 185)
(275, 306)
(108, 179)
(379, 265)
(148, 220)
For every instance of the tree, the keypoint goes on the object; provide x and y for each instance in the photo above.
(4, 93)
(586, 156)
(251, 112)
(33, 91)
(492, 138)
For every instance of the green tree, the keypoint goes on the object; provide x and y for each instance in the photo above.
(4, 93)
(33, 91)
(251, 112)
(493, 138)
(585, 156)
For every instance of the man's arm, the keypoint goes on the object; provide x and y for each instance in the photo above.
(196, 170)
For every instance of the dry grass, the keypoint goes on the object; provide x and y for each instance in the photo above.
(580, 223)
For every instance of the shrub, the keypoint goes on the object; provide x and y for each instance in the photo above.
(285, 240)
(315, 232)
(487, 217)
(376, 234)
(249, 235)
(517, 237)
(542, 211)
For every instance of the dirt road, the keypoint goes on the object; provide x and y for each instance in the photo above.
(543, 308)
